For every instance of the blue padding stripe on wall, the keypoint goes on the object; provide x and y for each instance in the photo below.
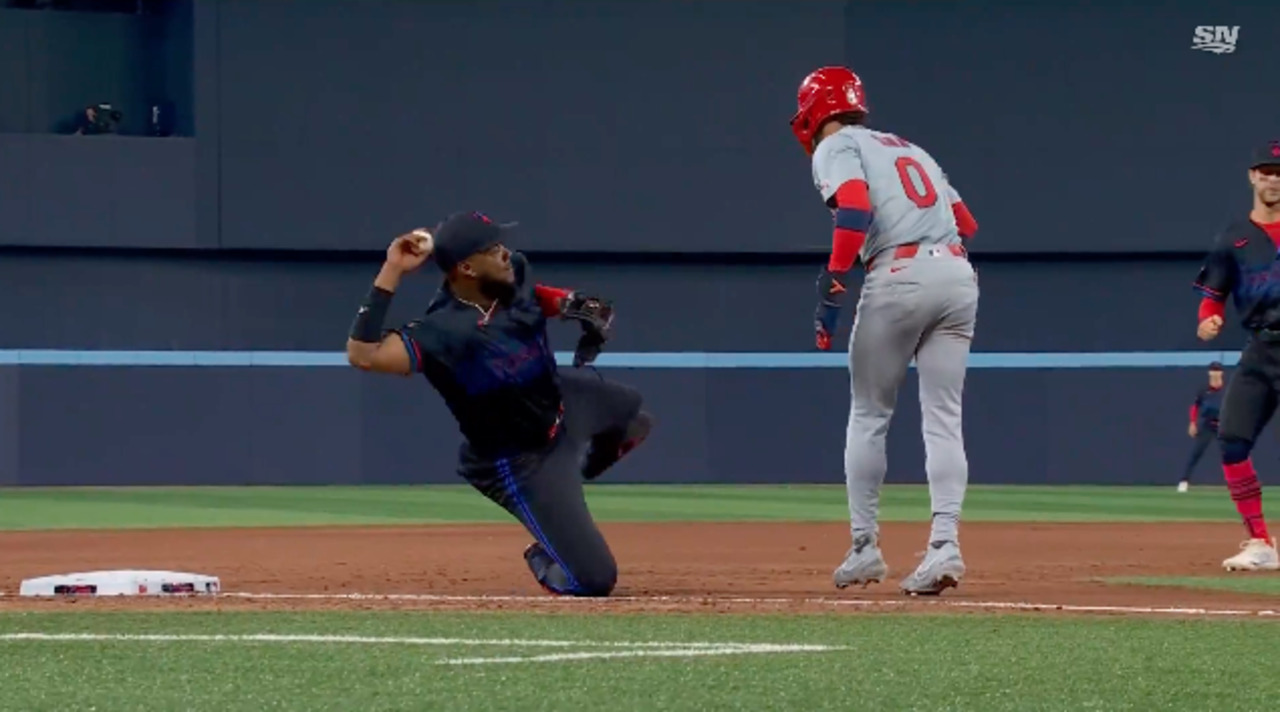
(686, 360)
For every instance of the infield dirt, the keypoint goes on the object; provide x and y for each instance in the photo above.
(737, 567)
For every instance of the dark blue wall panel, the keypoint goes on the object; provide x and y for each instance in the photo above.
(601, 126)
(53, 64)
(332, 425)
(169, 34)
(1076, 125)
(10, 426)
(662, 126)
(172, 303)
(97, 191)
(15, 72)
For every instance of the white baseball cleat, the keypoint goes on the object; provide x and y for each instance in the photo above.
(1183, 486)
(1255, 555)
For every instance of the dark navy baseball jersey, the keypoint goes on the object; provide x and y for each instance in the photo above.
(1245, 265)
(496, 371)
(1208, 404)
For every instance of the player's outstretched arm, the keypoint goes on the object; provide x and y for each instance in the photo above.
(368, 349)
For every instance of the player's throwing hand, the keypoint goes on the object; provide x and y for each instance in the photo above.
(1209, 328)
(409, 251)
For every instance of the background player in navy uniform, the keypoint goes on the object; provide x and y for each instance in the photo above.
(533, 433)
(1244, 264)
(1204, 422)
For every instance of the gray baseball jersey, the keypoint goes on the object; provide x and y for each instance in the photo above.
(910, 195)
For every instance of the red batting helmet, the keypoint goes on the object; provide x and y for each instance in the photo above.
(826, 92)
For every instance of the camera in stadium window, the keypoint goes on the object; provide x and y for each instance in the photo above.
(98, 119)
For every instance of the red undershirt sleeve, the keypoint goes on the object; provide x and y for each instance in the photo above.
(852, 218)
(965, 222)
(549, 298)
(1212, 307)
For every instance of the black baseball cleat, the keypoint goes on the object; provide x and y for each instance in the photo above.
(608, 448)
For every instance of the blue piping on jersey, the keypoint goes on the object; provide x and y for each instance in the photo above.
(622, 359)
(513, 491)
(412, 351)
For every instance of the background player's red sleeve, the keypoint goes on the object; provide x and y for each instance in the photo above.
(1195, 411)
(1212, 307)
(853, 216)
(965, 222)
(549, 298)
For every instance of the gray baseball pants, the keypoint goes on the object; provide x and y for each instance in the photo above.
(923, 307)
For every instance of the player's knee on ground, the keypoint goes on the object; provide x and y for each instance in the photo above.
(598, 581)
(595, 580)
(1234, 450)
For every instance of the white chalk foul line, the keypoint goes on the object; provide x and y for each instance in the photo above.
(682, 600)
(386, 640)
(603, 650)
(833, 602)
(690, 652)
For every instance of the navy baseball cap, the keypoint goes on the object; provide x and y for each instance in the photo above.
(462, 235)
(1268, 155)
(1215, 366)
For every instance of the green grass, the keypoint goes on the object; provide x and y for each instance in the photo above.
(879, 661)
(892, 663)
(54, 508)
(1260, 582)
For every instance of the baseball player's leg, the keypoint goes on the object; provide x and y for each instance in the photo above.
(942, 364)
(1204, 437)
(606, 412)
(570, 555)
(543, 491)
(1247, 405)
(885, 332)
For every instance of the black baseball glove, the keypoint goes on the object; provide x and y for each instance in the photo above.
(596, 317)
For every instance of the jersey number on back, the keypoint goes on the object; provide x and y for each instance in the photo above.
(910, 172)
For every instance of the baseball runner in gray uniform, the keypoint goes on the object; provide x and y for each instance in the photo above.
(895, 211)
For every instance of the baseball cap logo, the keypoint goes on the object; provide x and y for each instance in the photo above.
(1275, 149)
(481, 216)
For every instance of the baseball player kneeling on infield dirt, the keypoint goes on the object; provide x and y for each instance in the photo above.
(895, 211)
(533, 433)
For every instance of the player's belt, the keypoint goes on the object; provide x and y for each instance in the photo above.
(906, 252)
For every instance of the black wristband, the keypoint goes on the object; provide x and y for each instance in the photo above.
(367, 327)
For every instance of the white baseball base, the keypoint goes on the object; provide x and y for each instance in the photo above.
(122, 583)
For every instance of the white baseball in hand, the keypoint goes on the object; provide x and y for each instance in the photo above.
(425, 243)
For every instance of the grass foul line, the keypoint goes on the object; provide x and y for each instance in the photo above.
(752, 649)
(371, 640)
(834, 602)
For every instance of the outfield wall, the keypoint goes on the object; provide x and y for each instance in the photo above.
(311, 419)
(328, 424)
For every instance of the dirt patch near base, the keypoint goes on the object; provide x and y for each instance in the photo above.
(743, 568)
